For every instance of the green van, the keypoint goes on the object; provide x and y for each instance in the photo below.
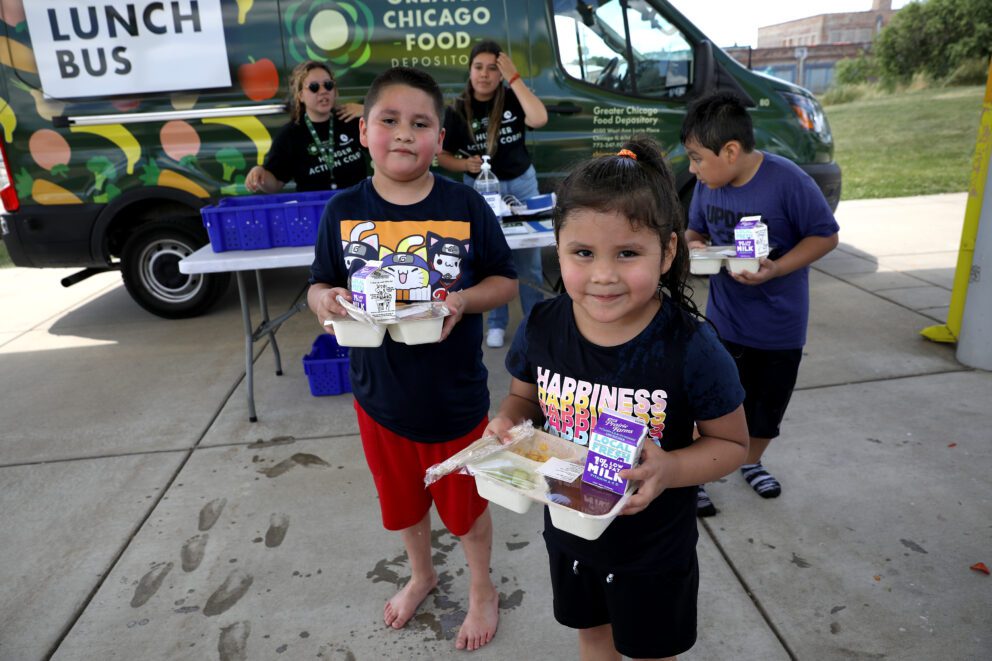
(118, 122)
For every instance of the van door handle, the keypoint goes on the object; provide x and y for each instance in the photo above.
(566, 108)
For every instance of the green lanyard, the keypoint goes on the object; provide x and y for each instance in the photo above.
(325, 148)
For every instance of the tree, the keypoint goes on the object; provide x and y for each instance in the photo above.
(934, 37)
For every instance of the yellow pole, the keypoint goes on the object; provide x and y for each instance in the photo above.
(950, 331)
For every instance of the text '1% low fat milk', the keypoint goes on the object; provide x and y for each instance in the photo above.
(614, 444)
(751, 237)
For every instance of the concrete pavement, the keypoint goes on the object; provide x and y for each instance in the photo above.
(146, 518)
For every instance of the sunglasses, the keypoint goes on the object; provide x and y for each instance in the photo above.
(315, 87)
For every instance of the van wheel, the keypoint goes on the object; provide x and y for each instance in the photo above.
(150, 269)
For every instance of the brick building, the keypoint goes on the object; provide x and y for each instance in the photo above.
(805, 51)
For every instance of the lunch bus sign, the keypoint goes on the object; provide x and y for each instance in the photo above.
(127, 46)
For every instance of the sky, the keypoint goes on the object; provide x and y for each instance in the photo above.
(729, 22)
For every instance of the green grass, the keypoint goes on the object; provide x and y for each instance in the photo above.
(4, 257)
(918, 142)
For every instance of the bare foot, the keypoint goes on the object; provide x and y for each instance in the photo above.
(404, 603)
(480, 624)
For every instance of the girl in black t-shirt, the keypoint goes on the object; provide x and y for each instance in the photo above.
(492, 118)
(626, 336)
(316, 149)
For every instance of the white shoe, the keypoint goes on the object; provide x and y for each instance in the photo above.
(494, 338)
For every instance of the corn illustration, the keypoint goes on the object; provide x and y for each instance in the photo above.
(118, 135)
(8, 120)
(250, 126)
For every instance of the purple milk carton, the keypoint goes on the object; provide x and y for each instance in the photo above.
(614, 444)
(751, 237)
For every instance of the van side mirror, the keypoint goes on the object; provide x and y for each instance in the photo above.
(704, 69)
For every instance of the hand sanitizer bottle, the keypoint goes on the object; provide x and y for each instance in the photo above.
(488, 186)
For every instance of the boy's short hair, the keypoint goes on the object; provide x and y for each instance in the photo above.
(410, 77)
(715, 120)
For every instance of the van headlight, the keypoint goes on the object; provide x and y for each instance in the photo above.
(809, 113)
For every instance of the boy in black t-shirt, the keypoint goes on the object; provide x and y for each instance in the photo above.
(418, 405)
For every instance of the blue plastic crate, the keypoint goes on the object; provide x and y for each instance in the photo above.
(256, 222)
(326, 366)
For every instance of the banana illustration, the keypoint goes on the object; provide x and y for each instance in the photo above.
(118, 135)
(250, 126)
(244, 6)
(8, 120)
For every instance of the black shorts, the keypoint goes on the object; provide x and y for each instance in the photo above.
(768, 377)
(653, 614)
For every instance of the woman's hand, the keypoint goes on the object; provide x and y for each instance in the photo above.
(473, 164)
(349, 111)
(255, 180)
(696, 245)
(455, 302)
(653, 473)
(506, 66)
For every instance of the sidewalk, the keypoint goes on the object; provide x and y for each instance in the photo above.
(146, 518)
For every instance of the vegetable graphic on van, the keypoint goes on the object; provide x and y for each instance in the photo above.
(107, 169)
(330, 31)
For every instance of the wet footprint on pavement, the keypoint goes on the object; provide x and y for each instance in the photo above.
(150, 583)
(232, 589)
(278, 525)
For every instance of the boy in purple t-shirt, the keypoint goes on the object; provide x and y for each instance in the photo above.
(761, 316)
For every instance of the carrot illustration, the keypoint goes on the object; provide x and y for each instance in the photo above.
(155, 176)
(51, 151)
(180, 142)
(42, 190)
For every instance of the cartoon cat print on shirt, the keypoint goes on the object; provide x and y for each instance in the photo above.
(445, 256)
(357, 251)
(410, 270)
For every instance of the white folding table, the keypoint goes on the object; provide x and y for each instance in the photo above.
(524, 234)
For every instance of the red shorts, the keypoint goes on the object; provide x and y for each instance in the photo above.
(398, 466)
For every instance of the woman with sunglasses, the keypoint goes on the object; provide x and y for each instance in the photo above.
(319, 149)
(490, 117)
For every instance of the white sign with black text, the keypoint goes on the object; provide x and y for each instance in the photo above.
(115, 47)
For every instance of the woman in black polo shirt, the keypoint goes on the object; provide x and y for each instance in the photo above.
(491, 118)
(317, 150)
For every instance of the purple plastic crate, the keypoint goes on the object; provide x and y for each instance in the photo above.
(326, 366)
(256, 222)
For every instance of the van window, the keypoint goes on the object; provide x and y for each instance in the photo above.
(623, 46)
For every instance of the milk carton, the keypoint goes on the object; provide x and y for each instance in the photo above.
(374, 290)
(751, 237)
(614, 444)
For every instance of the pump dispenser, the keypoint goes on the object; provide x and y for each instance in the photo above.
(488, 186)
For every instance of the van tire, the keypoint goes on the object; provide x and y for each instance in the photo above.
(150, 269)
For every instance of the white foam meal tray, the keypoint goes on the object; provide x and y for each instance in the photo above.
(511, 479)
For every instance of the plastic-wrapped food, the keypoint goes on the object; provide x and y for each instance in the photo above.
(478, 450)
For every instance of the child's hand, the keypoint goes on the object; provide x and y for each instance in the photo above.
(499, 427)
(653, 473)
(327, 305)
(767, 269)
(455, 303)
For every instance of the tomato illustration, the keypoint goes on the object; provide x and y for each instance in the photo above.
(259, 79)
